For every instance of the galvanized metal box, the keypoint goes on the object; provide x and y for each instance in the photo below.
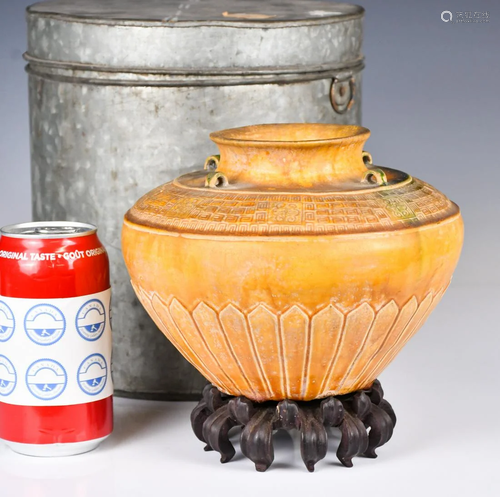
(123, 95)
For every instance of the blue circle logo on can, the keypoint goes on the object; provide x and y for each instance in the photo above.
(8, 376)
(7, 322)
(46, 379)
(91, 320)
(93, 374)
(44, 324)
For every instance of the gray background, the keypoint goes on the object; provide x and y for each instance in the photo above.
(431, 100)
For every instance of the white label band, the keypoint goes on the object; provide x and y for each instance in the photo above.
(55, 352)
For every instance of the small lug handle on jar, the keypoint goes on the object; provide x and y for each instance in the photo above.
(374, 175)
(212, 162)
(216, 180)
(367, 157)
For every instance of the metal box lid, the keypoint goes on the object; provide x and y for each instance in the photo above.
(224, 37)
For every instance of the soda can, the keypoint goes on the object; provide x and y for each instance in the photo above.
(55, 339)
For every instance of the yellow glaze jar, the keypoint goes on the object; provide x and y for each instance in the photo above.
(291, 267)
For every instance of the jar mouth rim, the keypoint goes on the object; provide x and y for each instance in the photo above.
(291, 134)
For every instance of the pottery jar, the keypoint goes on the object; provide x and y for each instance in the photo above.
(291, 267)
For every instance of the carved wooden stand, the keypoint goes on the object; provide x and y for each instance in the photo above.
(365, 419)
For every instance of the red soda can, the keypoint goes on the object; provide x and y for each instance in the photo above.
(55, 339)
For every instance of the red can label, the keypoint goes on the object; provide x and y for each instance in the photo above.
(55, 351)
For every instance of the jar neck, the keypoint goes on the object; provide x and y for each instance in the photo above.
(293, 155)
